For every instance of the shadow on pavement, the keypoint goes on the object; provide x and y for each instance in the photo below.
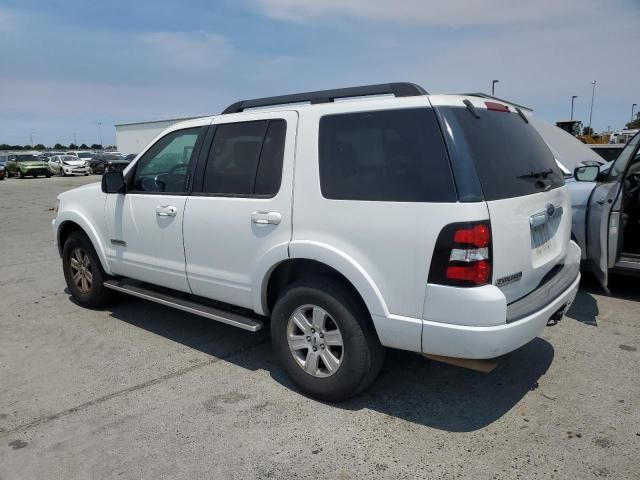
(410, 387)
(585, 308)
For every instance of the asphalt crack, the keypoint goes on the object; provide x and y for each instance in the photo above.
(141, 386)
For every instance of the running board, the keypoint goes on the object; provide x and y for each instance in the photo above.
(207, 311)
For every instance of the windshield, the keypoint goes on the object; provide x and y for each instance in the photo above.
(111, 156)
(85, 155)
(608, 153)
(26, 158)
(621, 163)
(511, 158)
(68, 158)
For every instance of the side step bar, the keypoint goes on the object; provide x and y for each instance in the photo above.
(190, 306)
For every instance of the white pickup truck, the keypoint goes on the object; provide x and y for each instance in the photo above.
(351, 219)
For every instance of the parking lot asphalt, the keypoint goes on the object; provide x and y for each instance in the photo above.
(138, 390)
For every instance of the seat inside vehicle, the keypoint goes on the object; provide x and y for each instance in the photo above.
(631, 210)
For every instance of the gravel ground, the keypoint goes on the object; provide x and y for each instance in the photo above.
(141, 391)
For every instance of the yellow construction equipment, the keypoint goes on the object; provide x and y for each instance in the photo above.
(574, 127)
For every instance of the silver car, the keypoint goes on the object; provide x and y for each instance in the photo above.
(606, 210)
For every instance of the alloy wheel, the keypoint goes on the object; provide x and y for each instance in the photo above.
(315, 341)
(81, 270)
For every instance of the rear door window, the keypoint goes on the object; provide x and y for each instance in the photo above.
(246, 159)
(510, 157)
(389, 155)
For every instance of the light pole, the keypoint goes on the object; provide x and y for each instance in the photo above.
(593, 93)
(493, 86)
(632, 109)
(100, 130)
(573, 97)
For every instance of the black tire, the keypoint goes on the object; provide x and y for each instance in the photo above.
(362, 354)
(96, 295)
(20, 173)
(48, 175)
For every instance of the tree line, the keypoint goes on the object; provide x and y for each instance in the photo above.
(57, 146)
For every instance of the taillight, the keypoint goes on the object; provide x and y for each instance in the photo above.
(479, 235)
(462, 256)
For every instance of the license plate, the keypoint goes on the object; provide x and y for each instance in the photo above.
(540, 236)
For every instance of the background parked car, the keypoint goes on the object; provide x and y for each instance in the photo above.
(3, 168)
(83, 154)
(102, 162)
(68, 165)
(608, 151)
(24, 165)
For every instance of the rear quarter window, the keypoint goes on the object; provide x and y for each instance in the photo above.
(510, 156)
(389, 155)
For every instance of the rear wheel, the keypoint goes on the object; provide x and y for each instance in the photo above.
(83, 272)
(325, 341)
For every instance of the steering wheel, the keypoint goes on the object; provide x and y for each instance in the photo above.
(632, 183)
(176, 167)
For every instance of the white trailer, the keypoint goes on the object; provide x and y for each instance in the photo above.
(133, 137)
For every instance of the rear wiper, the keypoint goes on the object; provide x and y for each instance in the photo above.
(540, 174)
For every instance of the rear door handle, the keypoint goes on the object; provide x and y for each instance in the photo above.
(166, 211)
(266, 218)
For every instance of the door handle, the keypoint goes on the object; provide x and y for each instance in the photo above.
(166, 211)
(266, 218)
(602, 200)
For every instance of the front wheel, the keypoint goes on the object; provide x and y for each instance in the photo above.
(83, 272)
(324, 339)
(20, 173)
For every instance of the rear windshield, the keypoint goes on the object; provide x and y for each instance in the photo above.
(510, 157)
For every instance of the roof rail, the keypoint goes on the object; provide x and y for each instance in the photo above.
(491, 97)
(326, 96)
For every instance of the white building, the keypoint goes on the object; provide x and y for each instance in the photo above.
(133, 137)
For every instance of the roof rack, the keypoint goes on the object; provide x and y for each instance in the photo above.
(491, 97)
(327, 96)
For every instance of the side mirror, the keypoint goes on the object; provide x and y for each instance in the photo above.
(113, 182)
(587, 173)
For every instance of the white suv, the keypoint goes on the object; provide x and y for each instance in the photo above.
(354, 218)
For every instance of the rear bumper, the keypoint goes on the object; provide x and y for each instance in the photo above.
(490, 342)
(477, 323)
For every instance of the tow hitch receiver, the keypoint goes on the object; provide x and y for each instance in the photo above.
(556, 317)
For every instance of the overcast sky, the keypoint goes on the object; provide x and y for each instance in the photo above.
(65, 66)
